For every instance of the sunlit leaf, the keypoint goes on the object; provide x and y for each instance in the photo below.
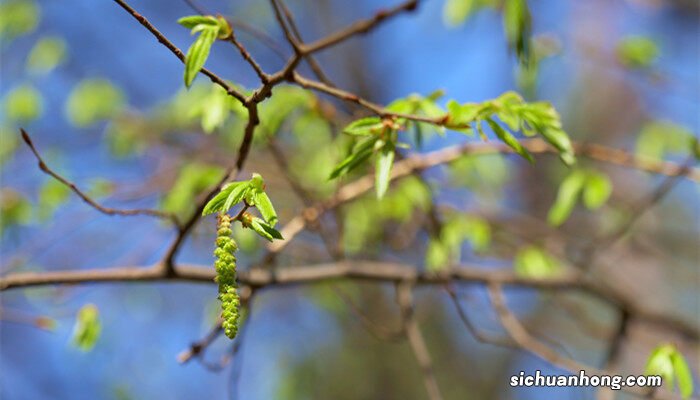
(364, 127)
(52, 194)
(683, 374)
(198, 52)
(264, 205)
(385, 159)
(263, 229)
(510, 140)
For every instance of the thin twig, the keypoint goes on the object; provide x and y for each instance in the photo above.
(87, 199)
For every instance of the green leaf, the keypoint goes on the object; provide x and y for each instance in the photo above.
(568, 194)
(437, 256)
(385, 160)
(46, 54)
(23, 104)
(193, 179)
(357, 157)
(518, 26)
(190, 22)
(17, 18)
(660, 138)
(683, 374)
(236, 195)
(364, 127)
(265, 230)
(597, 190)
(218, 202)
(637, 52)
(560, 140)
(87, 327)
(509, 140)
(93, 100)
(198, 52)
(660, 363)
(264, 205)
(535, 262)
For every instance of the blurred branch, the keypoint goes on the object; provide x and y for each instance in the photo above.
(404, 296)
(527, 342)
(260, 277)
(178, 53)
(420, 162)
(87, 199)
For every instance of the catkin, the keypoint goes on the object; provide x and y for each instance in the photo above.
(225, 266)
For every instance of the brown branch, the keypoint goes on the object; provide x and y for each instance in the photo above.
(178, 53)
(87, 199)
(246, 56)
(359, 27)
(355, 270)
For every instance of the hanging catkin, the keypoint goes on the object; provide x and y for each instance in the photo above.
(225, 266)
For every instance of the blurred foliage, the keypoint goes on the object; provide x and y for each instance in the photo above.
(536, 262)
(87, 328)
(192, 180)
(23, 104)
(52, 194)
(93, 100)
(637, 52)
(364, 219)
(660, 138)
(446, 249)
(18, 17)
(15, 209)
(47, 54)
(595, 188)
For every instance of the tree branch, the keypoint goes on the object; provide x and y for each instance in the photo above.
(87, 199)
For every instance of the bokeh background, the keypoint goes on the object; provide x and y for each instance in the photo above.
(112, 115)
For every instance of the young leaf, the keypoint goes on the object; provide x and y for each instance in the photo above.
(568, 194)
(198, 53)
(385, 160)
(364, 126)
(264, 205)
(238, 191)
(190, 22)
(357, 157)
(597, 190)
(87, 328)
(518, 26)
(659, 363)
(263, 229)
(683, 374)
(509, 139)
